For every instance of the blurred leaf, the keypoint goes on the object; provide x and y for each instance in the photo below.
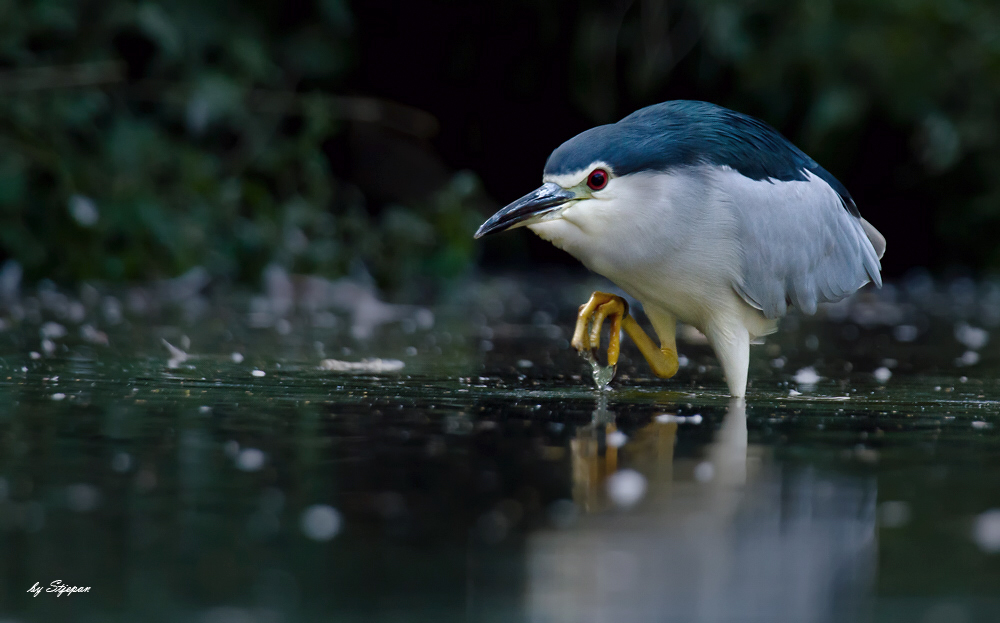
(155, 23)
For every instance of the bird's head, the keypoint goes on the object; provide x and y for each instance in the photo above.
(605, 172)
(552, 199)
(578, 173)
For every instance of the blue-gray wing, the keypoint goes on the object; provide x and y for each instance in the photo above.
(798, 243)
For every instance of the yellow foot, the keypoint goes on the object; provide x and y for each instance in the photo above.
(587, 335)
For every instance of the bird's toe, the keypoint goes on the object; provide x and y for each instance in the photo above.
(589, 322)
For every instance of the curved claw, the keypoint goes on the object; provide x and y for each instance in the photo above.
(662, 359)
(587, 334)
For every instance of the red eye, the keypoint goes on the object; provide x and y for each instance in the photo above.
(598, 179)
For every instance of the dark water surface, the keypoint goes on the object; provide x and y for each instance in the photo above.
(486, 480)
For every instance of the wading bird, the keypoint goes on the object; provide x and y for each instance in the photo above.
(704, 215)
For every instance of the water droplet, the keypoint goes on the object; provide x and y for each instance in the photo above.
(602, 375)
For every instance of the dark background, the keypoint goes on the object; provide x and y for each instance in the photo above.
(330, 137)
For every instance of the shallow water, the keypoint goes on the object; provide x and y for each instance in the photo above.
(487, 480)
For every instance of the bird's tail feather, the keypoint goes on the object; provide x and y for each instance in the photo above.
(875, 237)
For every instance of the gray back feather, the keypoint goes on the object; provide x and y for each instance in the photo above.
(799, 245)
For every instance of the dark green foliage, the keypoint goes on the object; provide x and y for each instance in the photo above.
(139, 140)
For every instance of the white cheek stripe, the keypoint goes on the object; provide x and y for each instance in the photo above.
(569, 180)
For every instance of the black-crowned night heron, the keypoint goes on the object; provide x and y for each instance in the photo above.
(704, 215)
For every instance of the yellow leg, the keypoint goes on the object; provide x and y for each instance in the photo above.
(587, 335)
(662, 361)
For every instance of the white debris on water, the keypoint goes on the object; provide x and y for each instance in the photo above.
(626, 487)
(968, 358)
(973, 338)
(666, 418)
(250, 460)
(58, 396)
(793, 393)
(317, 297)
(374, 365)
(177, 356)
(367, 310)
(52, 331)
(112, 309)
(92, 335)
(236, 357)
(616, 439)
(980, 425)
(882, 374)
(321, 522)
(525, 363)
(807, 376)
(259, 373)
(986, 531)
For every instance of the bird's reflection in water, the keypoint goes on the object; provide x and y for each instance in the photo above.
(727, 534)
(595, 455)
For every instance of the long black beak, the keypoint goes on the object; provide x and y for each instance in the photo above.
(527, 209)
